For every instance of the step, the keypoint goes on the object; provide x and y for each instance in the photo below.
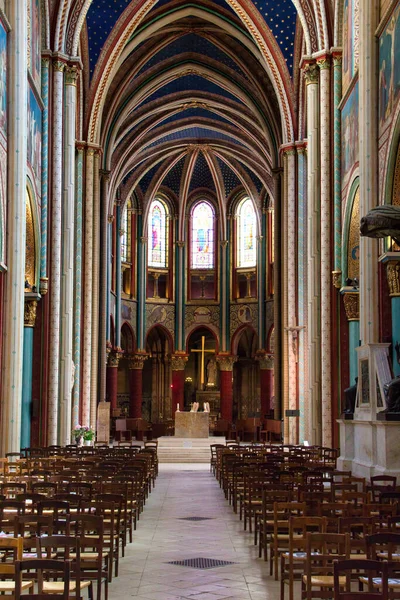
(186, 450)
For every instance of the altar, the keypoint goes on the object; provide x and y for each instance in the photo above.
(191, 424)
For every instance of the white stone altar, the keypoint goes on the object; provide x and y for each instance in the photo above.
(191, 424)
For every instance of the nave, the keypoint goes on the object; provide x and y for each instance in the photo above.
(183, 491)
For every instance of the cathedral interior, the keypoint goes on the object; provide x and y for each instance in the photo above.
(181, 189)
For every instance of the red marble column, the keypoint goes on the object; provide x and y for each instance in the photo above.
(266, 363)
(112, 378)
(136, 384)
(226, 388)
(178, 362)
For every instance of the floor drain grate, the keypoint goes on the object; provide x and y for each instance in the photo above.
(195, 518)
(201, 563)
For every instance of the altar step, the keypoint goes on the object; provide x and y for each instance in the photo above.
(186, 450)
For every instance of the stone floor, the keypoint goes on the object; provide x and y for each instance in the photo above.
(189, 490)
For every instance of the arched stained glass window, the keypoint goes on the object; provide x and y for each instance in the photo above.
(126, 233)
(246, 232)
(202, 237)
(158, 235)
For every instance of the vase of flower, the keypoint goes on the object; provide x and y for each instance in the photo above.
(83, 435)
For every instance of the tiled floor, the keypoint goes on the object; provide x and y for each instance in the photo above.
(189, 490)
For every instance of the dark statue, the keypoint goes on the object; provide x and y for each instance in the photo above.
(382, 221)
(350, 395)
(392, 395)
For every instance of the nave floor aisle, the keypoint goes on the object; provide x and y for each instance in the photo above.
(189, 490)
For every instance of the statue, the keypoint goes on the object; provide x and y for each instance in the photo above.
(195, 407)
(382, 221)
(211, 372)
(206, 407)
(392, 396)
(350, 395)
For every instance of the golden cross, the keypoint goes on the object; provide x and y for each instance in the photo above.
(203, 351)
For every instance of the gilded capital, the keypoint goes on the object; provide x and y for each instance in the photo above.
(44, 286)
(114, 357)
(71, 75)
(136, 361)
(266, 361)
(178, 361)
(226, 361)
(393, 277)
(324, 62)
(337, 279)
(30, 313)
(180, 244)
(59, 65)
(311, 73)
(351, 306)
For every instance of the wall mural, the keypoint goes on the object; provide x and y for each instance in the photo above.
(243, 314)
(34, 136)
(351, 28)
(162, 314)
(350, 134)
(353, 250)
(389, 68)
(34, 50)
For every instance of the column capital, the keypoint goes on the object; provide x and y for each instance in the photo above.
(311, 72)
(110, 218)
(71, 74)
(59, 65)
(224, 243)
(178, 361)
(393, 277)
(180, 244)
(30, 313)
(337, 279)
(43, 286)
(324, 61)
(287, 149)
(351, 303)
(143, 239)
(136, 361)
(266, 361)
(226, 361)
(114, 357)
(80, 146)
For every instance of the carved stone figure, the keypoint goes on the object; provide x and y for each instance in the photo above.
(382, 221)
(392, 395)
(211, 372)
(350, 395)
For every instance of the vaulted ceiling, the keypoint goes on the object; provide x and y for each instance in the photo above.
(191, 104)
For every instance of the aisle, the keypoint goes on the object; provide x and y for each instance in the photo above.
(162, 536)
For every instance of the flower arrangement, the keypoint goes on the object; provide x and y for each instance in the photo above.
(85, 433)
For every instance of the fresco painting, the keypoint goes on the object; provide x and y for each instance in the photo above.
(3, 79)
(34, 136)
(350, 133)
(389, 67)
(35, 55)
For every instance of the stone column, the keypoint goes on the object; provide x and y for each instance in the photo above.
(104, 289)
(225, 294)
(135, 384)
(67, 256)
(87, 290)
(13, 308)
(226, 387)
(78, 283)
(112, 376)
(26, 409)
(277, 174)
(180, 298)
(324, 63)
(55, 258)
(45, 174)
(351, 305)
(337, 174)
(369, 194)
(95, 291)
(266, 363)
(178, 361)
(311, 73)
(393, 278)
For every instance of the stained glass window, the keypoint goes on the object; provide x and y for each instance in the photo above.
(246, 230)
(126, 233)
(202, 234)
(158, 235)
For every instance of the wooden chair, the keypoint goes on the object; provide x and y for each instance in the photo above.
(322, 550)
(368, 570)
(382, 483)
(62, 547)
(283, 512)
(11, 548)
(44, 568)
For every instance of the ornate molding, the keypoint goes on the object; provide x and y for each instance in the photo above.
(393, 277)
(351, 306)
(114, 357)
(226, 361)
(136, 361)
(337, 279)
(43, 286)
(178, 361)
(30, 313)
